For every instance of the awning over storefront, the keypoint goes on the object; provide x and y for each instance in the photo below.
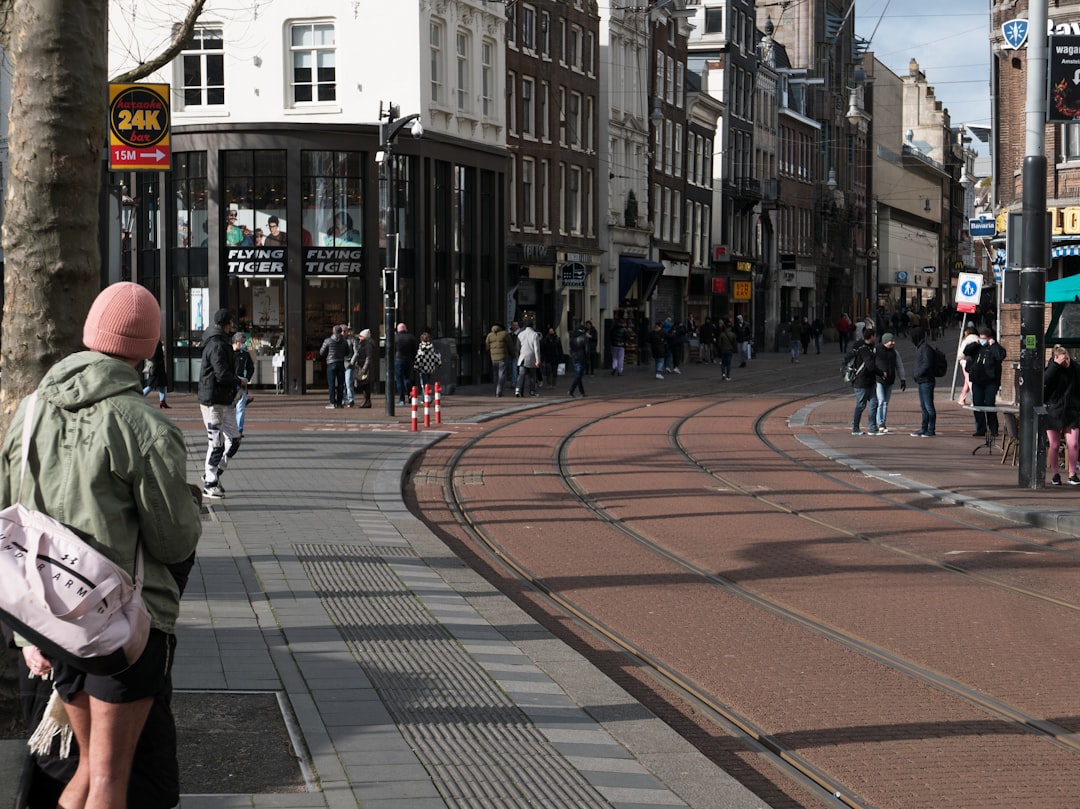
(1064, 250)
(629, 270)
(1064, 290)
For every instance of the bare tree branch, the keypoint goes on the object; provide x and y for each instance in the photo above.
(6, 9)
(144, 69)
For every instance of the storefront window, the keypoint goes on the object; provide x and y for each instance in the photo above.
(333, 211)
(189, 282)
(333, 219)
(254, 183)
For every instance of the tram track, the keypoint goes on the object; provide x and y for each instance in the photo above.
(788, 760)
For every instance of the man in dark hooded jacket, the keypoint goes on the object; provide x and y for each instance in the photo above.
(924, 378)
(218, 384)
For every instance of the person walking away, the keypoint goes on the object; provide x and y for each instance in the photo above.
(725, 343)
(707, 339)
(405, 346)
(515, 328)
(678, 338)
(500, 347)
(890, 367)
(619, 337)
(923, 376)
(528, 358)
(1061, 393)
(742, 336)
(795, 338)
(970, 336)
(551, 356)
(366, 366)
(658, 348)
(804, 334)
(245, 369)
(817, 329)
(843, 331)
(427, 361)
(218, 384)
(984, 368)
(113, 471)
(579, 357)
(593, 338)
(157, 376)
(335, 349)
(865, 383)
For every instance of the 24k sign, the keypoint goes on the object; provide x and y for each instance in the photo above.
(139, 127)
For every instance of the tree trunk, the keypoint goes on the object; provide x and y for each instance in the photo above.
(52, 270)
(59, 109)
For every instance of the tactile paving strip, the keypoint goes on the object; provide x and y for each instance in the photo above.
(479, 747)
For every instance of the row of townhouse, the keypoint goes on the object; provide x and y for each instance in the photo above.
(552, 159)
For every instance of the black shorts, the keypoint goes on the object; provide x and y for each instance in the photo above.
(147, 677)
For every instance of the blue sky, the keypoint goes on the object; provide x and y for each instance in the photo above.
(950, 41)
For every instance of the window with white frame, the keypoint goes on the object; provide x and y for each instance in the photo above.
(656, 210)
(543, 183)
(462, 50)
(658, 85)
(573, 201)
(513, 197)
(574, 120)
(511, 25)
(313, 49)
(542, 129)
(487, 78)
(563, 122)
(528, 192)
(562, 198)
(676, 216)
(586, 205)
(202, 65)
(527, 104)
(544, 34)
(528, 27)
(665, 216)
(680, 82)
(714, 20)
(587, 57)
(587, 125)
(511, 102)
(677, 161)
(573, 56)
(436, 32)
(1070, 142)
(668, 144)
(669, 80)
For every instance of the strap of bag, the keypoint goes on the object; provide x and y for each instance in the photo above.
(27, 433)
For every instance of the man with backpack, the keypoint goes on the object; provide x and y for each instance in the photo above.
(924, 377)
(864, 381)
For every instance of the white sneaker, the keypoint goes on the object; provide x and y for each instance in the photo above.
(214, 492)
(676, 371)
(659, 376)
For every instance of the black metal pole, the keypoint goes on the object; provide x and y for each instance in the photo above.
(1034, 254)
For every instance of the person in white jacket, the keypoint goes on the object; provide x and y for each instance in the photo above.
(528, 359)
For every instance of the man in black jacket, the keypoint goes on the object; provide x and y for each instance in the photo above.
(984, 360)
(924, 378)
(218, 384)
(865, 382)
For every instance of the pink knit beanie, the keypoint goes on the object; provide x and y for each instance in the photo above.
(124, 320)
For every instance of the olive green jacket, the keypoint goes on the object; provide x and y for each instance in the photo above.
(111, 468)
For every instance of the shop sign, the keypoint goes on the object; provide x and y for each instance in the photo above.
(984, 227)
(573, 275)
(255, 260)
(744, 266)
(719, 286)
(575, 258)
(333, 261)
(720, 252)
(139, 127)
(902, 277)
(742, 290)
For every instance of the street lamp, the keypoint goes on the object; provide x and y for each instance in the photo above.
(389, 127)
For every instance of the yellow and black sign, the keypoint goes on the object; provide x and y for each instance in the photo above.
(139, 127)
(741, 290)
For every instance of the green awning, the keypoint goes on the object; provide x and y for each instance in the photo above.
(1065, 290)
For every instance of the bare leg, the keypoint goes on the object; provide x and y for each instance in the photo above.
(107, 734)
